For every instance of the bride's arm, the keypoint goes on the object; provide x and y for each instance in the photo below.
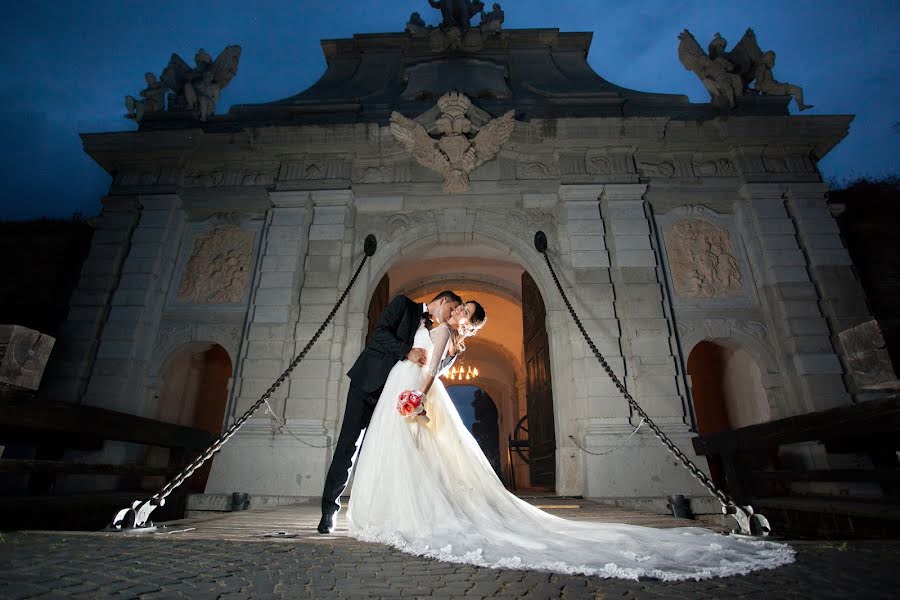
(449, 359)
(440, 337)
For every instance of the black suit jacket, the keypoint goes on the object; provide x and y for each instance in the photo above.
(391, 342)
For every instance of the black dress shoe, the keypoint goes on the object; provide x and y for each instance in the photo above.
(326, 525)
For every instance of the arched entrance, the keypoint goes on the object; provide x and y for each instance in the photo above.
(727, 390)
(193, 391)
(498, 350)
(480, 415)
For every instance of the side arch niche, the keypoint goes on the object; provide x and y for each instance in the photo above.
(727, 391)
(192, 390)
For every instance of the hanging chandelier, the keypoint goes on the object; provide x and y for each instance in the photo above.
(462, 373)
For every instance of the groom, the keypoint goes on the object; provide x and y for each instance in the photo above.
(392, 341)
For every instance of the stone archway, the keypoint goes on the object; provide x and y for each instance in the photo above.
(481, 417)
(470, 256)
(727, 390)
(192, 390)
(494, 277)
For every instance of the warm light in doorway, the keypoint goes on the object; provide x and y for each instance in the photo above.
(462, 373)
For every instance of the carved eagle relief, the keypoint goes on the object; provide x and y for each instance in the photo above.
(454, 155)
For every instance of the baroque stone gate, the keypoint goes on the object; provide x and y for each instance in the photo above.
(669, 222)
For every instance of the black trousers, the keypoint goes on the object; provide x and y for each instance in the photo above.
(360, 406)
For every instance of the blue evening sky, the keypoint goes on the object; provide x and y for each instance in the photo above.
(66, 66)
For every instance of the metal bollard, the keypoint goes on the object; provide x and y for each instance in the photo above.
(239, 501)
(679, 507)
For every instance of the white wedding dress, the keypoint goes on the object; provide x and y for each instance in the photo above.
(428, 490)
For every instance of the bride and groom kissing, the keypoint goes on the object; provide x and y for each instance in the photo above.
(393, 341)
(425, 487)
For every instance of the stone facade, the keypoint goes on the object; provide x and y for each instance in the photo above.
(668, 226)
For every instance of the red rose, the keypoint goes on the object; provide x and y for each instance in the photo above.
(409, 403)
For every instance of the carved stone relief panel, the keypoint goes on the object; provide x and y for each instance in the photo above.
(313, 167)
(218, 269)
(217, 177)
(606, 162)
(658, 168)
(714, 167)
(705, 260)
(536, 168)
(378, 172)
(598, 164)
(702, 260)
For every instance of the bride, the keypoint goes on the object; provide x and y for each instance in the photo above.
(423, 486)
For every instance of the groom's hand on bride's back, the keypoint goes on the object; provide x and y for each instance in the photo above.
(417, 355)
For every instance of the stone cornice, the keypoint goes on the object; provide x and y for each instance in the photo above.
(605, 191)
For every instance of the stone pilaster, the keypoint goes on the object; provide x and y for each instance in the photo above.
(136, 306)
(802, 334)
(841, 297)
(620, 297)
(268, 345)
(592, 295)
(74, 353)
(597, 404)
(285, 311)
(315, 385)
(647, 337)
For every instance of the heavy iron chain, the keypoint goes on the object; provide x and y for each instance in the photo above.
(121, 521)
(728, 505)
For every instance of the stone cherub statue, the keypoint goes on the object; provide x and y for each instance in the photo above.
(717, 75)
(743, 58)
(457, 13)
(416, 25)
(454, 155)
(746, 61)
(154, 99)
(197, 89)
(493, 20)
(766, 83)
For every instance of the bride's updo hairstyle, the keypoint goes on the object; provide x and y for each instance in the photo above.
(476, 322)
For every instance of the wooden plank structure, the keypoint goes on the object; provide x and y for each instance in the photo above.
(755, 475)
(49, 430)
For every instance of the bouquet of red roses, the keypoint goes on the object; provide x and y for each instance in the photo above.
(411, 404)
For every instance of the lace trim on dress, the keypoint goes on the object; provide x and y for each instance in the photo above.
(769, 555)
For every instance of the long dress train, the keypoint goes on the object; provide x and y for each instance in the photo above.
(428, 490)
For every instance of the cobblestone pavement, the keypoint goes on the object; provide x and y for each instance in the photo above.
(57, 565)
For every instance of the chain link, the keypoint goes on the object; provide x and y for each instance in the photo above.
(283, 428)
(586, 451)
(727, 503)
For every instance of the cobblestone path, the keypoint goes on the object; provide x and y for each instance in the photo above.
(56, 565)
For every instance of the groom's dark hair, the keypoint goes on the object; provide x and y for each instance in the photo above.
(450, 296)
